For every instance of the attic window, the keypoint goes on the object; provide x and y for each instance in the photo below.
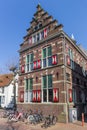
(38, 26)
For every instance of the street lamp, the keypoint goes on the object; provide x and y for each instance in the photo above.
(14, 70)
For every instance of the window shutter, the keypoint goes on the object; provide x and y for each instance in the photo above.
(39, 95)
(30, 40)
(45, 32)
(35, 64)
(34, 95)
(54, 59)
(39, 64)
(68, 60)
(22, 68)
(55, 95)
(70, 95)
(21, 96)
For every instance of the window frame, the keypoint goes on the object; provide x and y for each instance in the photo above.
(47, 89)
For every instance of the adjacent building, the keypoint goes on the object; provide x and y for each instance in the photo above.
(7, 90)
(53, 69)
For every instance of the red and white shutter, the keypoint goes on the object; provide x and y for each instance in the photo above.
(30, 40)
(35, 64)
(22, 68)
(38, 95)
(45, 32)
(54, 59)
(21, 96)
(55, 95)
(34, 95)
(68, 60)
(70, 95)
(39, 64)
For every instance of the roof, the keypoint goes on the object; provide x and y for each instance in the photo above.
(5, 79)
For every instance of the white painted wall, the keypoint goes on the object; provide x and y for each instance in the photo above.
(8, 94)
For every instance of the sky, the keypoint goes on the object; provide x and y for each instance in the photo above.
(16, 15)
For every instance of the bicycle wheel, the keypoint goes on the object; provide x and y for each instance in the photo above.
(54, 120)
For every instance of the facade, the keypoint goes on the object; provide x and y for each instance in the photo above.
(53, 69)
(7, 90)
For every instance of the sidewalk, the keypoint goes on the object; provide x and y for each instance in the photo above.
(22, 126)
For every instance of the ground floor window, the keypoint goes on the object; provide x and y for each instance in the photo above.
(47, 93)
(28, 90)
(47, 88)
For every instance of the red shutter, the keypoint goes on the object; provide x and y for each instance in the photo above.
(30, 40)
(22, 68)
(38, 95)
(54, 59)
(70, 95)
(21, 96)
(39, 64)
(45, 32)
(34, 95)
(68, 60)
(55, 95)
(35, 64)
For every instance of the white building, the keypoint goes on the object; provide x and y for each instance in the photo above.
(7, 90)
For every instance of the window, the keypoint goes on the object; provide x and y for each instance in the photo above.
(47, 57)
(67, 76)
(29, 62)
(2, 89)
(2, 99)
(74, 95)
(47, 88)
(71, 56)
(28, 90)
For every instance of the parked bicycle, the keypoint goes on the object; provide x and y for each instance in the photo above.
(35, 117)
(50, 120)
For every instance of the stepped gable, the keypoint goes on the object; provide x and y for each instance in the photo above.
(41, 21)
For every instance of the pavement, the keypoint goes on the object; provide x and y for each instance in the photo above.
(4, 125)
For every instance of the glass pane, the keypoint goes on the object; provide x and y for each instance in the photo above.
(30, 95)
(27, 67)
(50, 95)
(31, 57)
(44, 53)
(45, 95)
(31, 84)
(49, 81)
(38, 38)
(49, 51)
(50, 61)
(27, 59)
(26, 96)
(42, 34)
(44, 82)
(31, 66)
(26, 84)
(44, 63)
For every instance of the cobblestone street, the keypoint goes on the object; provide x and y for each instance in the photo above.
(4, 125)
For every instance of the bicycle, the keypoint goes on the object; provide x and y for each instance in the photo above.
(50, 120)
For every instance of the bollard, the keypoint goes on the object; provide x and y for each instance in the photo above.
(82, 119)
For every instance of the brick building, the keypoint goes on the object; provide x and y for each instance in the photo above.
(53, 68)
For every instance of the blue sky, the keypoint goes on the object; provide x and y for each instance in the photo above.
(15, 17)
